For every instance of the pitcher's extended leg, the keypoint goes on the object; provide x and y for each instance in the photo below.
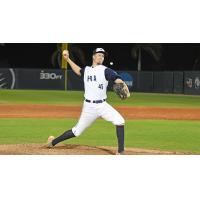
(66, 135)
(86, 119)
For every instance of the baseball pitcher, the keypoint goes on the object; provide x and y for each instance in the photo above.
(96, 78)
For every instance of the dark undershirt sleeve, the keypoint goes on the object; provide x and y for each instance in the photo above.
(111, 75)
(82, 71)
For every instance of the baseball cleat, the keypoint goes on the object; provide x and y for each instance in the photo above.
(49, 142)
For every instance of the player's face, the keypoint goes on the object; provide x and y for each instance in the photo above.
(98, 58)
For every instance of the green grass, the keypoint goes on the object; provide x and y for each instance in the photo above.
(76, 97)
(182, 136)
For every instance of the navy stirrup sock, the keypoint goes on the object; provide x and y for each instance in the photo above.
(66, 135)
(120, 137)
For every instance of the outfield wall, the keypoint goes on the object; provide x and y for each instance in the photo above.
(178, 82)
(41, 79)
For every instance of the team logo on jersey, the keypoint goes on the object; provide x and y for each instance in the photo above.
(91, 78)
(7, 79)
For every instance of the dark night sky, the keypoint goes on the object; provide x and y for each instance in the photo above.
(173, 56)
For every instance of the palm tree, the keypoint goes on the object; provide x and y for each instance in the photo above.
(153, 49)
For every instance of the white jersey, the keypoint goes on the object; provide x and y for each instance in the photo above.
(95, 83)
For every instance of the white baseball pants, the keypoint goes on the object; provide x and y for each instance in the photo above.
(92, 111)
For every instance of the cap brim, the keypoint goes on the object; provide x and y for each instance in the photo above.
(103, 52)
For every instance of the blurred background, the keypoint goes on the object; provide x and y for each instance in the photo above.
(147, 57)
(150, 67)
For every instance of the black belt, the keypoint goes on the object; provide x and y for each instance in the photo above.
(97, 101)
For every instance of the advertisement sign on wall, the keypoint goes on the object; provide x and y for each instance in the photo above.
(192, 82)
(7, 79)
(41, 79)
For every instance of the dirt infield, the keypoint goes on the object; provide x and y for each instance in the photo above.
(60, 111)
(40, 149)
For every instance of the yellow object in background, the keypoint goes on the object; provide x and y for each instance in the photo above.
(63, 61)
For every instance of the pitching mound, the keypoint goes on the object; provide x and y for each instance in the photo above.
(40, 149)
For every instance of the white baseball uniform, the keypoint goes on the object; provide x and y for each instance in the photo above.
(95, 105)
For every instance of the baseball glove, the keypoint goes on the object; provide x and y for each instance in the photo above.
(121, 90)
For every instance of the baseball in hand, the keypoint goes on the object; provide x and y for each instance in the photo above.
(66, 54)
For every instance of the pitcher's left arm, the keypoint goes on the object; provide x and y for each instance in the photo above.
(120, 86)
